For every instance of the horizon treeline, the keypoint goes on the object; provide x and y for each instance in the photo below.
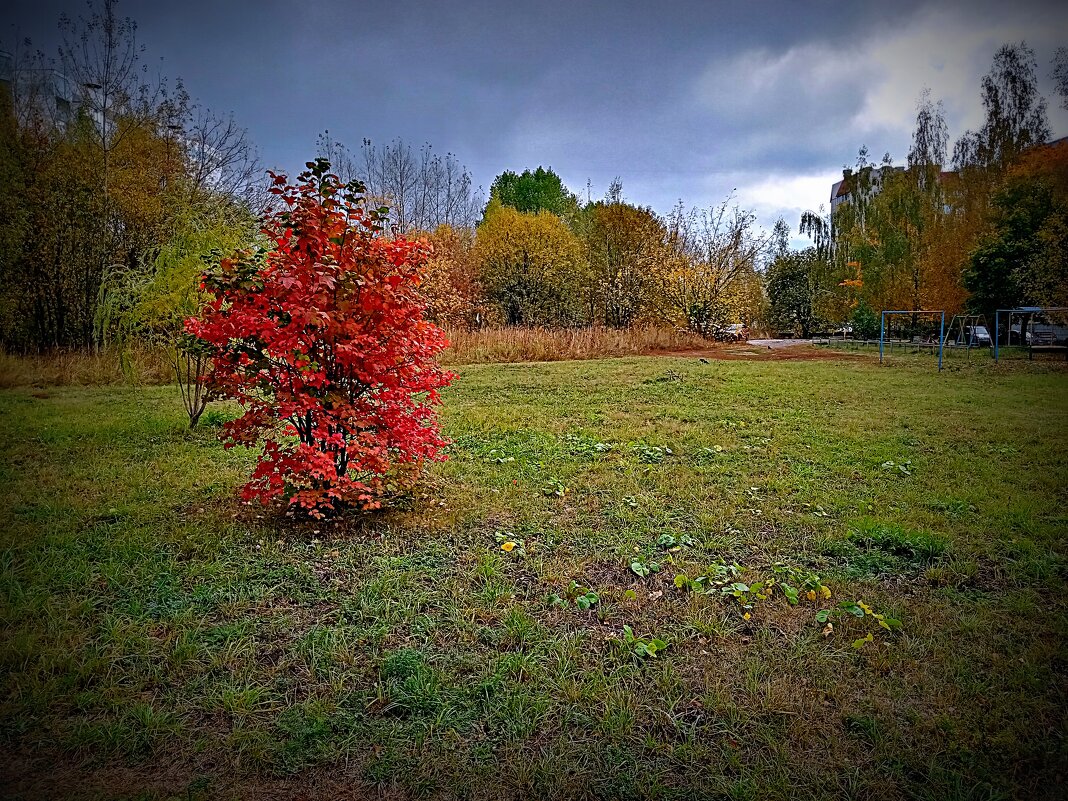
(121, 189)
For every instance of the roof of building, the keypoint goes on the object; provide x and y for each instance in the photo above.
(843, 188)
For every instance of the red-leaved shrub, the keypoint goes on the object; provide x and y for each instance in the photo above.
(321, 339)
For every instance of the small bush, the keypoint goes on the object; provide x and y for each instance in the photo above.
(322, 339)
(865, 322)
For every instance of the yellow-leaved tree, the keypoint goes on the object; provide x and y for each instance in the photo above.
(531, 267)
(450, 279)
(625, 247)
(712, 255)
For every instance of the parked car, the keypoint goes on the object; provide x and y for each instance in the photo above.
(969, 336)
(735, 332)
(1038, 333)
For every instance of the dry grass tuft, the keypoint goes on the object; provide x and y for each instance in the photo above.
(550, 345)
(81, 368)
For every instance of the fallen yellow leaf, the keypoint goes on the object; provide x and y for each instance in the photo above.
(811, 595)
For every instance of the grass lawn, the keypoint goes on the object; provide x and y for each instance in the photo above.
(162, 640)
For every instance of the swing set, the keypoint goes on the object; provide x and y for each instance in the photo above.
(914, 336)
(968, 331)
(1036, 328)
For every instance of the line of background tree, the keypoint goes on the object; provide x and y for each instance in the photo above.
(990, 233)
(119, 187)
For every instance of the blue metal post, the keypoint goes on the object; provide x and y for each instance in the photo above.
(941, 334)
(882, 330)
(997, 331)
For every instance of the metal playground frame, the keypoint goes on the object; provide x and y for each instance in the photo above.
(1024, 312)
(914, 312)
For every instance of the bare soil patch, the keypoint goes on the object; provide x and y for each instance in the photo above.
(796, 353)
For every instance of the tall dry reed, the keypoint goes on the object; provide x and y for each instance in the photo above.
(139, 365)
(547, 345)
(143, 365)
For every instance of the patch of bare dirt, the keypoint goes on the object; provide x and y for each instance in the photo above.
(796, 353)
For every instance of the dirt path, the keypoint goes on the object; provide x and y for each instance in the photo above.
(764, 352)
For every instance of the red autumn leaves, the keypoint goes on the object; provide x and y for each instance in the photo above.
(322, 340)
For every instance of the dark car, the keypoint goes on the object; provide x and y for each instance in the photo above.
(1039, 334)
(977, 335)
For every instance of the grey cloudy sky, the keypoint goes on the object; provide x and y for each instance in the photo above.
(681, 100)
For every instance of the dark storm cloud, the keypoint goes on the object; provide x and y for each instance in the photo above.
(678, 99)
